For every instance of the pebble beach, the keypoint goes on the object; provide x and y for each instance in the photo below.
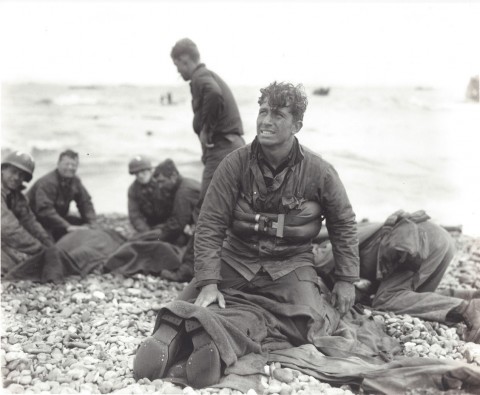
(80, 336)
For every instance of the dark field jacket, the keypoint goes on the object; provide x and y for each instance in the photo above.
(20, 229)
(50, 199)
(214, 106)
(151, 207)
(306, 178)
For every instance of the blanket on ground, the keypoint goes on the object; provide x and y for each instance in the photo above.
(252, 331)
(77, 253)
(144, 256)
(87, 250)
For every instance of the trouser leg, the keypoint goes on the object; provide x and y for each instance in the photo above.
(212, 158)
(299, 287)
(407, 292)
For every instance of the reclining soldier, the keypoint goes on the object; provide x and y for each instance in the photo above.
(264, 206)
(22, 235)
(401, 265)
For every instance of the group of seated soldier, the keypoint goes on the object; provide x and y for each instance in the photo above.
(161, 204)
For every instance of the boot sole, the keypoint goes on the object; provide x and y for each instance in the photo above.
(157, 353)
(204, 364)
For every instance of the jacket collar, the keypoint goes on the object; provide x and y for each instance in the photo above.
(197, 69)
(295, 156)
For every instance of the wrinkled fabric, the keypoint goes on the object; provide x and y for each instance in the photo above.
(50, 197)
(308, 178)
(148, 257)
(274, 325)
(402, 290)
(395, 377)
(77, 253)
(90, 248)
(22, 235)
(51, 264)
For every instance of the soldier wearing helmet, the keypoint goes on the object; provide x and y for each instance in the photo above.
(161, 199)
(148, 205)
(22, 235)
(51, 195)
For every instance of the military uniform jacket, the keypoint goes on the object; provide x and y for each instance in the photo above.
(306, 177)
(20, 229)
(50, 198)
(214, 106)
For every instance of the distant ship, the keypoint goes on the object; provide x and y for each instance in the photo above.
(322, 91)
(472, 89)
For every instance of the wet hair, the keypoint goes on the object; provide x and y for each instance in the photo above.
(284, 94)
(167, 168)
(185, 46)
(69, 153)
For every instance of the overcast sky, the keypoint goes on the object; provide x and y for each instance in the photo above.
(429, 43)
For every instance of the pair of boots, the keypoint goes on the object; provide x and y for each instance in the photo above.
(170, 344)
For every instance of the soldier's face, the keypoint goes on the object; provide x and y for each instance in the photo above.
(165, 182)
(13, 177)
(185, 66)
(276, 126)
(67, 167)
(143, 177)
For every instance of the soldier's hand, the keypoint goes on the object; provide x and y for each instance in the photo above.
(204, 139)
(343, 296)
(208, 295)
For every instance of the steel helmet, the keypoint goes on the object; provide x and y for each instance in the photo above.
(139, 163)
(21, 160)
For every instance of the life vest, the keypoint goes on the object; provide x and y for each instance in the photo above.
(299, 224)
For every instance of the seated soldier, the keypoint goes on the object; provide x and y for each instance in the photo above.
(403, 261)
(147, 204)
(264, 206)
(51, 195)
(22, 235)
(160, 202)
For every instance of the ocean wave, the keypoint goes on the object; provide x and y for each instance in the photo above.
(85, 87)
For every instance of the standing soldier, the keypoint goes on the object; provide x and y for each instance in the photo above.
(216, 118)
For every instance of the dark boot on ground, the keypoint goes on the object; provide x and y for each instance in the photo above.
(204, 366)
(161, 350)
(183, 274)
(471, 316)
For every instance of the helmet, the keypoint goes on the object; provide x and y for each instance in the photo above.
(139, 163)
(22, 161)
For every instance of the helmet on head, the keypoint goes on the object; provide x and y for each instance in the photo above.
(22, 161)
(139, 163)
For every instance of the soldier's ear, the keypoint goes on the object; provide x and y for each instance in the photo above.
(297, 126)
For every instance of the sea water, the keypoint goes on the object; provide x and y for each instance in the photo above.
(395, 148)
